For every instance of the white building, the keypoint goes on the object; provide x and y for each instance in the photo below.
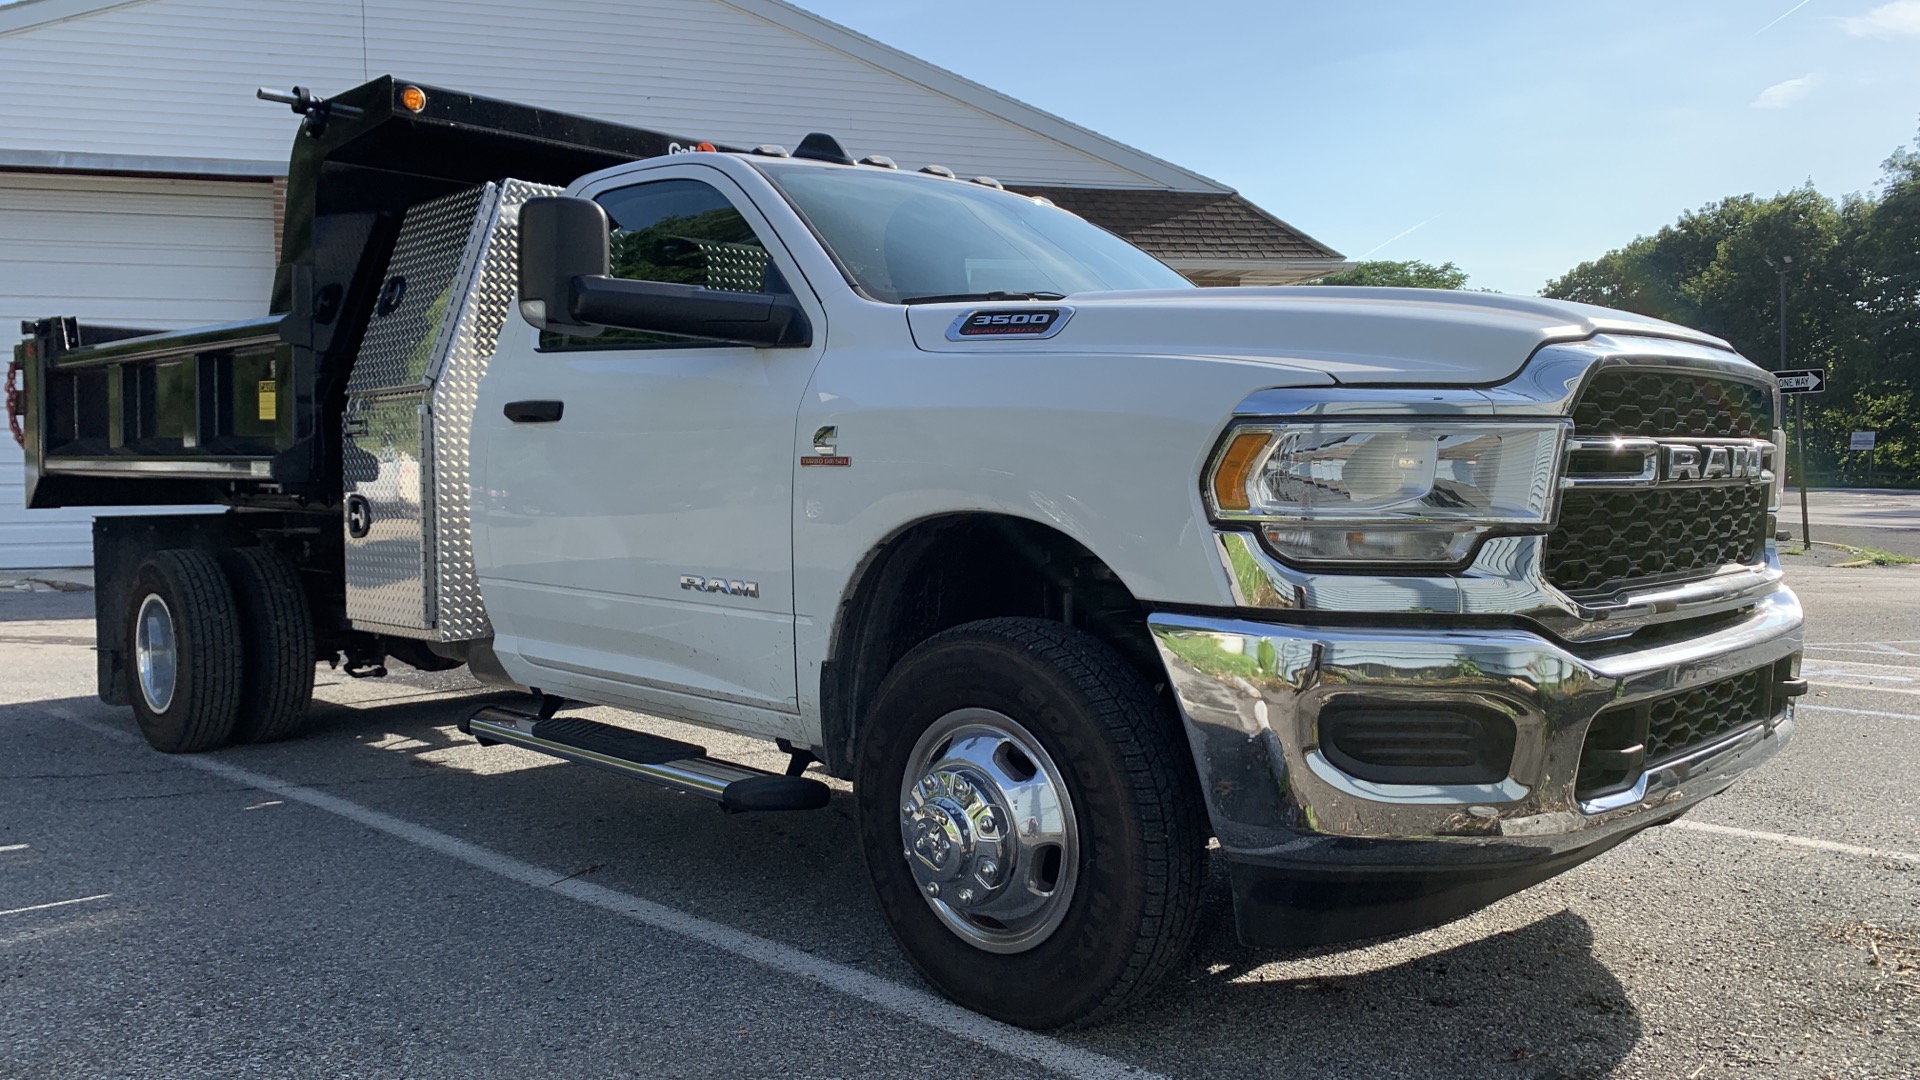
(139, 175)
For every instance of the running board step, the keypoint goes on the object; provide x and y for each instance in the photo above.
(675, 765)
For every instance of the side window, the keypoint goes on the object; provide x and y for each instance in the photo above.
(683, 232)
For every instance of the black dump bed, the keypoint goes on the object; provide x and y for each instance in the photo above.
(249, 413)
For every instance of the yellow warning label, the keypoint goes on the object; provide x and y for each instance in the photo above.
(269, 401)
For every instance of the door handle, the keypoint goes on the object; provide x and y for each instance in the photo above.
(535, 412)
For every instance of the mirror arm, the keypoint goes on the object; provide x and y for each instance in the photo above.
(758, 319)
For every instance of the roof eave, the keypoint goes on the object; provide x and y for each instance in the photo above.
(139, 164)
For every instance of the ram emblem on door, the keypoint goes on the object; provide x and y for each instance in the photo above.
(730, 586)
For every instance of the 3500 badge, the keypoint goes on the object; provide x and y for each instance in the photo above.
(1009, 322)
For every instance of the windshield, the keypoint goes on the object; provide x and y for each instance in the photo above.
(900, 237)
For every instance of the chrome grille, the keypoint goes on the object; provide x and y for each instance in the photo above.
(1610, 539)
(1703, 714)
(1626, 740)
(1660, 404)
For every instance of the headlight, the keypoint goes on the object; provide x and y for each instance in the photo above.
(1386, 491)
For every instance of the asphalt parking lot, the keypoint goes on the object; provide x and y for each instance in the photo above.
(384, 898)
(1883, 518)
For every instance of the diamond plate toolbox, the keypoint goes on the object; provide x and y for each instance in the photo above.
(449, 290)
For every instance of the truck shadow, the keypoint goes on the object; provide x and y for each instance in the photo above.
(1483, 998)
(1467, 1000)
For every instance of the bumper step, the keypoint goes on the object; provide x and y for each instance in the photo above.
(666, 762)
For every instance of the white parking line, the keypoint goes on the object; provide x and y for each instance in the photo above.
(1860, 652)
(1861, 687)
(1818, 671)
(1863, 663)
(1858, 712)
(1865, 688)
(1794, 841)
(55, 904)
(893, 997)
(1855, 652)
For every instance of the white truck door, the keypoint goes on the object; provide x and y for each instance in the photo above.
(638, 548)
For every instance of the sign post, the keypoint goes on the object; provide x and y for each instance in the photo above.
(1797, 383)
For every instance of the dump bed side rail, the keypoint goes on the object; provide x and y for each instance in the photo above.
(250, 413)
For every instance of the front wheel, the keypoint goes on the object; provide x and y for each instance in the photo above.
(1033, 831)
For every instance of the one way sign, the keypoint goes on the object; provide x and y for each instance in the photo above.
(1809, 381)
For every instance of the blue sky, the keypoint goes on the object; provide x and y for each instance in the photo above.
(1516, 139)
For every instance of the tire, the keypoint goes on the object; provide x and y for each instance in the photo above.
(185, 669)
(1125, 888)
(276, 640)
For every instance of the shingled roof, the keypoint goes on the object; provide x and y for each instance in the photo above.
(1211, 237)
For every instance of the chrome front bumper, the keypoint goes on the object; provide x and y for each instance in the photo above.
(1251, 693)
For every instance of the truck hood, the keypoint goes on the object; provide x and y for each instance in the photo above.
(1353, 335)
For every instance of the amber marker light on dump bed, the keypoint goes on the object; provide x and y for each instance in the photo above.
(1236, 464)
(413, 99)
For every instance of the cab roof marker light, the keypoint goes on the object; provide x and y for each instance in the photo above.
(770, 150)
(820, 146)
(988, 181)
(879, 161)
(937, 170)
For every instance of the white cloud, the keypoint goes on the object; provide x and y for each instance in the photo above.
(1782, 94)
(1901, 18)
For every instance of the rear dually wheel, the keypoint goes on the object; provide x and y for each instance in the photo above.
(182, 638)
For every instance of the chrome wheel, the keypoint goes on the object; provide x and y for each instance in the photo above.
(155, 653)
(988, 830)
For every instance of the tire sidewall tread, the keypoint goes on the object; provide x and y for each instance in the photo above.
(276, 641)
(1128, 772)
(208, 659)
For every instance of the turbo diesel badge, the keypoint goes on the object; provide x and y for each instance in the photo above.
(1025, 322)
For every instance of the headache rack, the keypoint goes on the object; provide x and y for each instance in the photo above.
(251, 413)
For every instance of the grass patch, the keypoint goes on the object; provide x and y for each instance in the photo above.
(1207, 654)
(1868, 556)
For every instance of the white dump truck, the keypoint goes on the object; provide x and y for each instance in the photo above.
(1409, 599)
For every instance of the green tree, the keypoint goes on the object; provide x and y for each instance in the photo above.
(1718, 269)
(1411, 274)
(1886, 253)
(1883, 378)
(1852, 274)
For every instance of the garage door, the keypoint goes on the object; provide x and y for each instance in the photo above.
(125, 251)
